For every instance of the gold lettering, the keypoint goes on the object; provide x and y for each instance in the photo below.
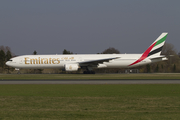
(49, 60)
(53, 60)
(39, 60)
(71, 58)
(26, 61)
(42, 60)
(66, 58)
(34, 61)
(46, 61)
(58, 60)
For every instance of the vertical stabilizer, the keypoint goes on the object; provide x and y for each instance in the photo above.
(157, 45)
(154, 49)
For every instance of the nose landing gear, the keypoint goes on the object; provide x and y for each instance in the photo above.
(18, 70)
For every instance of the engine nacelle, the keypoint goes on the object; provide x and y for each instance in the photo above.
(71, 67)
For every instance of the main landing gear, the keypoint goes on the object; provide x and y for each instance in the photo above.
(89, 72)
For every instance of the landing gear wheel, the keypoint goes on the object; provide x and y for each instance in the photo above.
(89, 72)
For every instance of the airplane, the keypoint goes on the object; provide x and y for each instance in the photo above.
(88, 62)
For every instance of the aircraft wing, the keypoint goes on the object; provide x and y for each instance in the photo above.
(96, 62)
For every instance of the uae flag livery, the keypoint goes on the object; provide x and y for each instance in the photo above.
(154, 50)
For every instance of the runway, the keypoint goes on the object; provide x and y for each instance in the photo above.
(89, 81)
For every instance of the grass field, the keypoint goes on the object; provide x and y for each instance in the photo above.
(87, 102)
(91, 76)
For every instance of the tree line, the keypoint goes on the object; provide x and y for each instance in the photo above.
(5, 55)
(172, 65)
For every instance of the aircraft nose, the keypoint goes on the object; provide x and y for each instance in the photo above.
(7, 63)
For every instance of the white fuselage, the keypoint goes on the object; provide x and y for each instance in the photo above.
(59, 61)
(89, 61)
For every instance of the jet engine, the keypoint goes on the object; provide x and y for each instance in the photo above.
(71, 67)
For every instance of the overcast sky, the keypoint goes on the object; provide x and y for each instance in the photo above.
(87, 26)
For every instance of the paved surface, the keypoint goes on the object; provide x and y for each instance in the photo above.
(89, 81)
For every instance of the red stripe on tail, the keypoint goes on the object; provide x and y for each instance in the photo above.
(145, 54)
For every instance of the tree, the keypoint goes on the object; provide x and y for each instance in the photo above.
(170, 52)
(67, 52)
(35, 53)
(8, 55)
(5, 55)
(148, 68)
(2, 58)
(174, 68)
(111, 50)
(168, 49)
(157, 68)
(2, 48)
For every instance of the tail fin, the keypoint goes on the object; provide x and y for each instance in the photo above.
(154, 49)
(157, 46)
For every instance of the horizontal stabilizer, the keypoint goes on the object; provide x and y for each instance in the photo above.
(156, 57)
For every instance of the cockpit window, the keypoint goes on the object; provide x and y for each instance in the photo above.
(11, 60)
